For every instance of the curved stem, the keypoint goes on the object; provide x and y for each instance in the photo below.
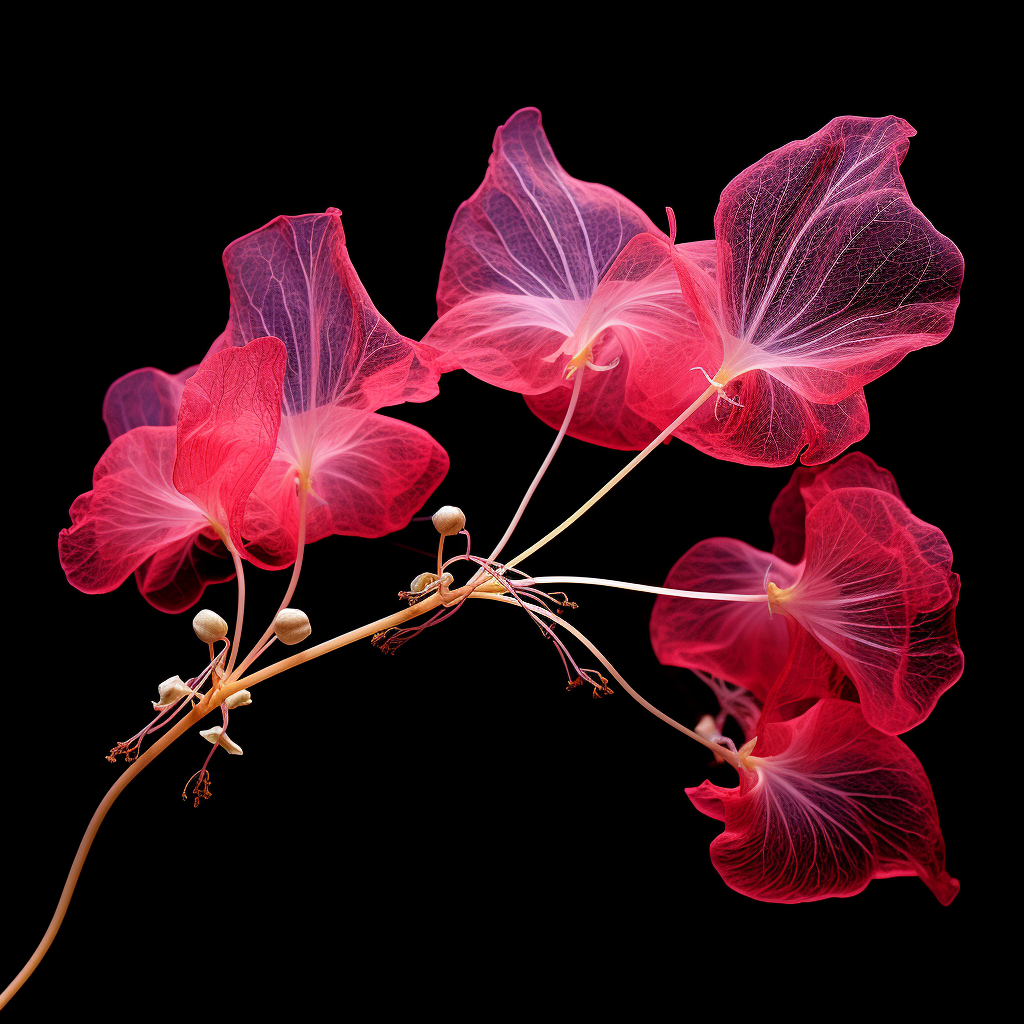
(90, 834)
(704, 595)
(721, 751)
(543, 466)
(292, 583)
(631, 465)
(244, 682)
(237, 636)
(194, 716)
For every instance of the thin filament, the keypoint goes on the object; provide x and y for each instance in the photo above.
(622, 473)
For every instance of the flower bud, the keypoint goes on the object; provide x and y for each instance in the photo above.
(292, 626)
(209, 626)
(171, 691)
(448, 520)
(421, 582)
(238, 700)
(216, 735)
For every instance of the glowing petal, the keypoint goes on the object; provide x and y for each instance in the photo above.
(144, 398)
(227, 430)
(730, 640)
(369, 474)
(293, 279)
(827, 805)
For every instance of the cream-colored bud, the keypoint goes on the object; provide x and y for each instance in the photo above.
(707, 728)
(171, 691)
(292, 626)
(421, 582)
(209, 626)
(238, 700)
(448, 520)
(216, 735)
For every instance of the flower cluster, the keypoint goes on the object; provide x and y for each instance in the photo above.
(753, 347)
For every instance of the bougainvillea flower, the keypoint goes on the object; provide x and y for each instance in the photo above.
(874, 588)
(366, 474)
(545, 276)
(157, 489)
(144, 398)
(826, 276)
(824, 805)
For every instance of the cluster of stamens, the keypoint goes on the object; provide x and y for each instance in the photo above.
(498, 579)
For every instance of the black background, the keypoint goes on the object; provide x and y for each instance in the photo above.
(412, 828)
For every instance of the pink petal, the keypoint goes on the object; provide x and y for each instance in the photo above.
(523, 257)
(830, 805)
(735, 641)
(293, 279)
(175, 577)
(829, 276)
(144, 398)
(132, 514)
(878, 594)
(773, 423)
(639, 326)
(227, 430)
(369, 475)
(808, 486)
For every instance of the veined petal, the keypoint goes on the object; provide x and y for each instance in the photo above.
(878, 593)
(828, 277)
(144, 398)
(368, 475)
(826, 805)
(808, 485)
(732, 640)
(133, 512)
(227, 430)
(292, 279)
(523, 258)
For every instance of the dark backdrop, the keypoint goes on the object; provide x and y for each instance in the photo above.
(412, 826)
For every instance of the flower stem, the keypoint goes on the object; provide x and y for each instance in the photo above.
(704, 595)
(292, 583)
(631, 465)
(237, 636)
(90, 834)
(543, 466)
(178, 730)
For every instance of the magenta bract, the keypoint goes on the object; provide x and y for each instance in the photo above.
(874, 588)
(156, 490)
(824, 805)
(367, 474)
(826, 276)
(544, 276)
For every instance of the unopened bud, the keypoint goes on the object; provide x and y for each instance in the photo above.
(238, 700)
(292, 626)
(421, 582)
(171, 691)
(708, 728)
(209, 626)
(448, 520)
(216, 736)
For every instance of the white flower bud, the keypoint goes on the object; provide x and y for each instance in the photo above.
(448, 520)
(171, 691)
(238, 700)
(209, 626)
(292, 626)
(421, 582)
(216, 735)
(707, 728)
